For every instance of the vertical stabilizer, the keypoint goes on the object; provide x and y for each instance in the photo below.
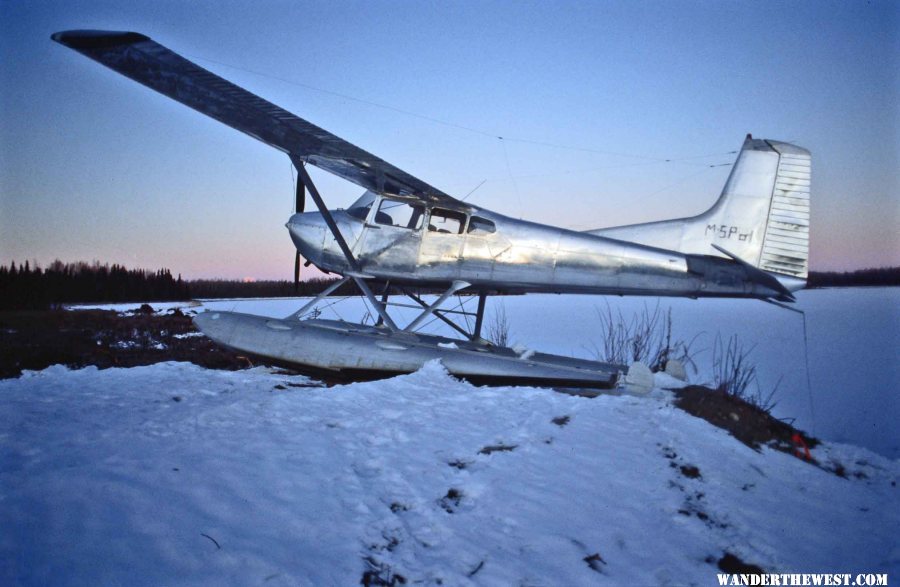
(761, 217)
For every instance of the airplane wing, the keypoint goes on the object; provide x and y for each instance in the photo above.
(146, 61)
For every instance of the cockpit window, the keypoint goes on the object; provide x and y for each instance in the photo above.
(360, 208)
(446, 221)
(481, 226)
(400, 214)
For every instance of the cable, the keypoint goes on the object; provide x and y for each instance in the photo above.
(681, 181)
(473, 190)
(434, 120)
(812, 412)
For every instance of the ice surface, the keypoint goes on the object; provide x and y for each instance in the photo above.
(174, 474)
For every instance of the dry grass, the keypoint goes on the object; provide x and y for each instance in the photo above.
(646, 337)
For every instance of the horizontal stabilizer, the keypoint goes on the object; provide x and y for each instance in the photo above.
(761, 277)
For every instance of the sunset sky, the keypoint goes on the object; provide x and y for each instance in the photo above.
(610, 112)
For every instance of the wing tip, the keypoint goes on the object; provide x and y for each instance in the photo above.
(91, 39)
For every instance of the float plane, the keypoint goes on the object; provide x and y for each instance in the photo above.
(403, 234)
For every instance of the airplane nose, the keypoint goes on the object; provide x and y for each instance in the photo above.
(307, 230)
(294, 220)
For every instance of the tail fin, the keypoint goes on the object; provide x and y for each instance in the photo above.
(762, 216)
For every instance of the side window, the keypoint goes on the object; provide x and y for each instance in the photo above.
(481, 226)
(400, 214)
(446, 221)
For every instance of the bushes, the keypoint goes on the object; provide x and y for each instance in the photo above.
(647, 337)
(498, 328)
(735, 375)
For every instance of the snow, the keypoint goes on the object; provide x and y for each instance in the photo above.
(853, 335)
(174, 474)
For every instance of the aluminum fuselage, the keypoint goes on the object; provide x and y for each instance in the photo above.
(493, 252)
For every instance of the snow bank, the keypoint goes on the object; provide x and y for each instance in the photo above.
(173, 474)
(853, 335)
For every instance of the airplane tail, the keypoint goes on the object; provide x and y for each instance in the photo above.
(761, 218)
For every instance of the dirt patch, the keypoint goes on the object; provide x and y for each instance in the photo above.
(397, 507)
(561, 421)
(730, 563)
(34, 340)
(690, 471)
(452, 500)
(749, 424)
(379, 573)
(595, 562)
(492, 448)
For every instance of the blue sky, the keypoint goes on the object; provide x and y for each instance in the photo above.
(94, 166)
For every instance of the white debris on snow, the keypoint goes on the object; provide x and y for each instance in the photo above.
(124, 344)
(174, 474)
(187, 335)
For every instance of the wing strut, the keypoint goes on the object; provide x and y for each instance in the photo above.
(356, 274)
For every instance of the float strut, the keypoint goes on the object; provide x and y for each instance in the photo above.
(479, 315)
(318, 298)
(454, 287)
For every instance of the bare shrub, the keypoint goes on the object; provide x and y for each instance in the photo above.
(735, 375)
(647, 338)
(498, 328)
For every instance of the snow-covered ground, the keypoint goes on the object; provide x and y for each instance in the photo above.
(173, 474)
(853, 333)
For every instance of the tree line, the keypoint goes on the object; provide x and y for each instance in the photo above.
(27, 286)
(30, 287)
(861, 277)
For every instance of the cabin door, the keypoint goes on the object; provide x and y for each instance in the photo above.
(442, 243)
(391, 240)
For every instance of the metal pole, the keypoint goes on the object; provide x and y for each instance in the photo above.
(479, 314)
(384, 301)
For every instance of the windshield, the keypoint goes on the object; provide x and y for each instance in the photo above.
(360, 208)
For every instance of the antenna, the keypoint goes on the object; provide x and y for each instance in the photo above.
(473, 189)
